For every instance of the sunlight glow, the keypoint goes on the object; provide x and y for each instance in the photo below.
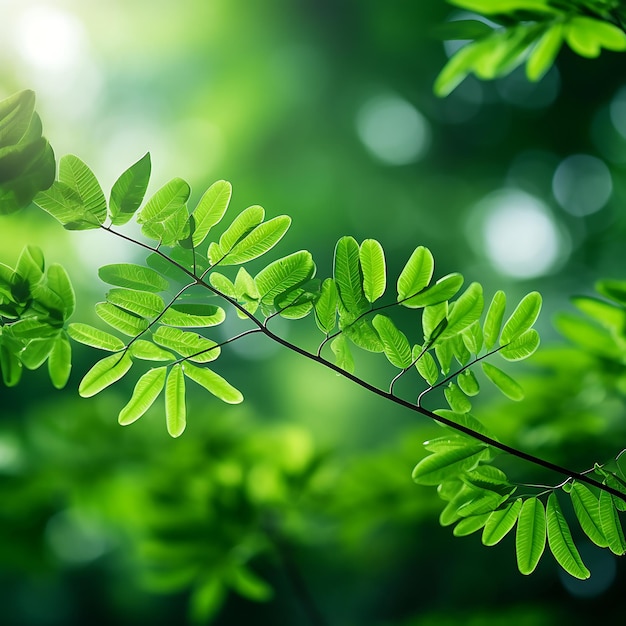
(520, 238)
(393, 130)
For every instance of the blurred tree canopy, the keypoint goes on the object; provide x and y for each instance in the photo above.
(299, 502)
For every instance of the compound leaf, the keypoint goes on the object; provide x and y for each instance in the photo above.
(76, 175)
(146, 391)
(244, 223)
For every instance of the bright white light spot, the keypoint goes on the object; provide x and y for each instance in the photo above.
(49, 38)
(582, 184)
(520, 237)
(393, 130)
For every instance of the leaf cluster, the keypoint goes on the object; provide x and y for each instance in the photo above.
(27, 163)
(509, 33)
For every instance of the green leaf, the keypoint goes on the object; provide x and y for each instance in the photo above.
(522, 319)
(501, 522)
(613, 289)
(245, 287)
(493, 319)
(142, 303)
(343, 356)
(129, 191)
(187, 344)
(59, 282)
(60, 361)
(348, 276)
(444, 352)
(127, 323)
(473, 338)
(326, 306)
(16, 112)
(469, 525)
(456, 69)
(457, 399)
(416, 274)
(258, 241)
(468, 384)
(210, 209)
(530, 540)
(146, 391)
(587, 509)
(489, 7)
(165, 202)
(193, 315)
(284, 274)
(445, 443)
(10, 365)
(522, 347)
(247, 584)
(175, 408)
(608, 315)
(94, 337)
(544, 53)
(213, 383)
(133, 277)
(361, 333)
(611, 525)
(444, 289)
(36, 352)
(104, 373)
(588, 335)
(244, 223)
(372, 258)
(33, 328)
(147, 351)
(30, 264)
(395, 344)
(482, 504)
(587, 36)
(434, 321)
(425, 365)
(65, 205)
(223, 284)
(459, 349)
(441, 466)
(76, 175)
(509, 387)
(561, 542)
(465, 311)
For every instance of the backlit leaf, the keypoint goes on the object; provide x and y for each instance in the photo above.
(530, 540)
(104, 373)
(561, 542)
(444, 289)
(425, 365)
(244, 223)
(146, 391)
(493, 319)
(440, 466)
(175, 407)
(129, 190)
(142, 303)
(326, 306)
(544, 53)
(211, 209)
(193, 315)
(348, 275)
(372, 258)
(127, 323)
(416, 274)
(522, 347)
(213, 383)
(587, 509)
(466, 310)
(509, 387)
(187, 344)
(501, 522)
(94, 337)
(343, 356)
(522, 319)
(283, 274)
(611, 525)
(133, 277)
(147, 351)
(469, 525)
(457, 399)
(60, 361)
(467, 383)
(395, 344)
(258, 241)
(76, 175)
(59, 282)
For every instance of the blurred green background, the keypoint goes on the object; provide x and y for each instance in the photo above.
(301, 497)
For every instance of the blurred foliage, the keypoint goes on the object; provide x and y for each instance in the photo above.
(280, 98)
